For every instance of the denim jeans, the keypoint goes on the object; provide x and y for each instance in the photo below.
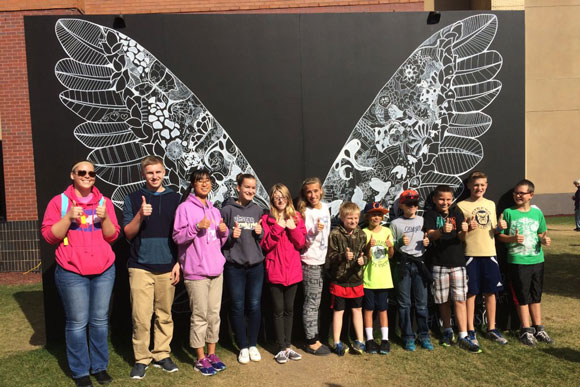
(86, 305)
(410, 280)
(577, 217)
(244, 285)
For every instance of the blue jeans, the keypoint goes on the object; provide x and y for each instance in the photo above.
(86, 303)
(410, 280)
(577, 217)
(244, 285)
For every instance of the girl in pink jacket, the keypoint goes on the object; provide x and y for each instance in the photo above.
(284, 237)
(199, 232)
(82, 223)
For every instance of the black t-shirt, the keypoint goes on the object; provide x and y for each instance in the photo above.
(448, 250)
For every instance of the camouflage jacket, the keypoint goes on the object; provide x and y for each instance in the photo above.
(342, 271)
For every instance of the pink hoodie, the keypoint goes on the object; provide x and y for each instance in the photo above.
(199, 251)
(88, 251)
(282, 247)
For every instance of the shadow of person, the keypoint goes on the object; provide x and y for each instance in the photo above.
(32, 305)
(568, 354)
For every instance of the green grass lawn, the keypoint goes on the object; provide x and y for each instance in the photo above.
(513, 364)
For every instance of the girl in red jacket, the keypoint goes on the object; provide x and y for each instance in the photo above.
(284, 237)
(82, 223)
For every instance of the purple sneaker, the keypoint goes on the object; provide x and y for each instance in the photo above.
(216, 363)
(204, 367)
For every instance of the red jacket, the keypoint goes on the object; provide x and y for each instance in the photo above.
(88, 252)
(282, 247)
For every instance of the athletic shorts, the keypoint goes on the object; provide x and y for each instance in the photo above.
(483, 275)
(527, 282)
(341, 303)
(449, 282)
(376, 299)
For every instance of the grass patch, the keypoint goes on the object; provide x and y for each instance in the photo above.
(512, 364)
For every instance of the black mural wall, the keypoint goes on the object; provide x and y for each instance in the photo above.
(288, 90)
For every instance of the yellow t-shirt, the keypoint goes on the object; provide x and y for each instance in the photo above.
(377, 274)
(481, 241)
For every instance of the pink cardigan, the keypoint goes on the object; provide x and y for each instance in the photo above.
(282, 247)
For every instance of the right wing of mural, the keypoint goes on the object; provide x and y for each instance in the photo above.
(133, 106)
(421, 129)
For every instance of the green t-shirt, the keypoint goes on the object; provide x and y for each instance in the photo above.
(377, 274)
(528, 224)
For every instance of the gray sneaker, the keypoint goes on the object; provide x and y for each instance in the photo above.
(543, 337)
(138, 371)
(495, 335)
(281, 357)
(293, 355)
(527, 337)
(166, 364)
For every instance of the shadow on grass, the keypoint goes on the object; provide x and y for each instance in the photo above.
(58, 351)
(568, 354)
(561, 275)
(32, 306)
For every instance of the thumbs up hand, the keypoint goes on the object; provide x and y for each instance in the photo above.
(319, 225)
(237, 231)
(502, 223)
(372, 242)
(406, 240)
(447, 227)
(361, 259)
(425, 240)
(102, 211)
(545, 239)
(222, 226)
(464, 226)
(146, 209)
(203, 224)
(75, 212)
(518, 237)
(472, 224)
(258, 228)
(290, 223)
(349, 254)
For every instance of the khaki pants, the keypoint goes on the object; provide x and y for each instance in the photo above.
(151, 293)
(205, 301)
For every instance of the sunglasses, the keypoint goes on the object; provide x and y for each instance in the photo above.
(84, 173)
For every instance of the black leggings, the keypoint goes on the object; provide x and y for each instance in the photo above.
(283, 309)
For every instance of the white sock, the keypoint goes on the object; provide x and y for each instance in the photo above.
(462, 335)
(385, 333)
(369, 333)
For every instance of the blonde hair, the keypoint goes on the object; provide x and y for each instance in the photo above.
(76, 165)
(476, 175)
(302, 200)
(289, 211)
(348, 208)
(151, 160)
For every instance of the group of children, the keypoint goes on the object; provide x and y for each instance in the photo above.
(451, 250)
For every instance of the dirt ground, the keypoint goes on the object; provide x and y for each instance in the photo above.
(20, 278)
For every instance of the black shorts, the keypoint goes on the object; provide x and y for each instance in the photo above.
(527, 282)
(341, 303)
(376, 299)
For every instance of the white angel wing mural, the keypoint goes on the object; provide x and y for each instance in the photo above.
(133, 106)
(421, 129)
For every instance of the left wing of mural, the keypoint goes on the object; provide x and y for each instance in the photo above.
(133, 106)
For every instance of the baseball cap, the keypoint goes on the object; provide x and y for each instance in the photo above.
(375, 207)
(408, 196)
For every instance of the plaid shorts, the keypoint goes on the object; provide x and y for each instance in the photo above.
(449, 281)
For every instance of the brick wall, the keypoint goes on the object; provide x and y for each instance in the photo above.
(93, 7)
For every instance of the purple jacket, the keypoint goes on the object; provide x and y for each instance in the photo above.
(199, 251)
(282, 247)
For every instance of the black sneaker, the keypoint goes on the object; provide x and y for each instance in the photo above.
(103, 377)
(527, 337)
(542, 336)
(166, 364)
(372, 346)
(83, 381)
(138, 371)
(385, 347)
(468, 345)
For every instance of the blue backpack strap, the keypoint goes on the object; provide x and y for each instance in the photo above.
(102, 201)
(63, 205)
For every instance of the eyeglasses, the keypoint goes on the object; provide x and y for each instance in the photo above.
(202, 181)
(411, 197)
(520, 193)
(279, 198)
(84, 173)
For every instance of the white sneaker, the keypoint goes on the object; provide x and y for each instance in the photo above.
(244, 356)
(255, 354)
